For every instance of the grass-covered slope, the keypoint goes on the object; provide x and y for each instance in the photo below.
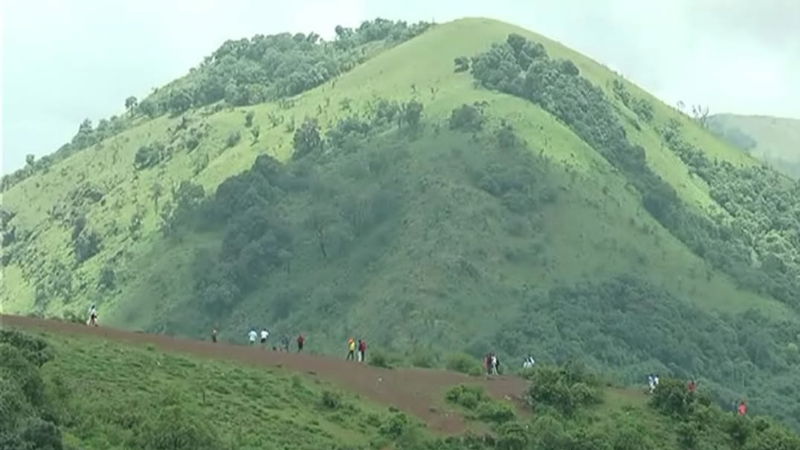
(774, 140)
(558, 210)
(66, 391)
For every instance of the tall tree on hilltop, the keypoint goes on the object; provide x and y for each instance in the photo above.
(130, 104)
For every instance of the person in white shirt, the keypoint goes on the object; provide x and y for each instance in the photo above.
(528, 363)
(253, 335)
(264, 336)
(92, 316)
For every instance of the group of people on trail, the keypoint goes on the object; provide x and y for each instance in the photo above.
(492, 364)
(528, 362)
(252, 335)
(691, 386)
(353, 347)
(652, 382)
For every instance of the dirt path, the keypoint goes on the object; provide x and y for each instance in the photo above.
(416, 391)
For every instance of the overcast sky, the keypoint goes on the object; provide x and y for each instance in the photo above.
(65, 60)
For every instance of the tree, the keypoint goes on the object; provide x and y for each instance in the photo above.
(467, 118)
(700, 114)
(130, 104)
(307, 139)
(149, 108)
(180, 100)
(412, 113)
(87, 245)
(462, 64)
(30, 159)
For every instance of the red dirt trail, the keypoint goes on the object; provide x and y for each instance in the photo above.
(416, 391)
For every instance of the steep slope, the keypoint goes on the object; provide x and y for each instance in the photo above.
(774, 140)
(542, 207)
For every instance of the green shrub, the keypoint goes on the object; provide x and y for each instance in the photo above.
(565, 388)
(673, 398)
(423, 358)
(467, 118)
(233, 138)
(379, 359)
(173, 427)
(512, 436)
(494, 411)
(331, 400)
(396, 426)
(468, 396)
(461, 362)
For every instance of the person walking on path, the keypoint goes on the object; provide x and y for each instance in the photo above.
(264, 336)
(351, 350)
(92, 316)
(300, 341)
(252, 335)
(285, 343)
(742, 408)
(214, 335)
(362, 350)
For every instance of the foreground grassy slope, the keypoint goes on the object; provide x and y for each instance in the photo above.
(774, 140)
(93, 393)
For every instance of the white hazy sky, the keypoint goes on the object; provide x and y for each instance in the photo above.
(66, 60)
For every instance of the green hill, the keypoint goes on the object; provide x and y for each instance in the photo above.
(469, 186)
(774, 140)
(67, 391)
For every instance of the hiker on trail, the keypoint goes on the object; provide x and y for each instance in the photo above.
(492, 363)
(692, 387)
(362, 350)
(285, 343)
(252, 335)
(487, 363)
(351, 349)
(742, 408)
(651, 382)
(300, 341)
(92, 316)
(214, 335)
(264, 336)
(528, 362)
(655, 380)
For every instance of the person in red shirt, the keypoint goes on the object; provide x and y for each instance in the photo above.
(742, 408)
(300, 341)
(692, 386)
(362, 350)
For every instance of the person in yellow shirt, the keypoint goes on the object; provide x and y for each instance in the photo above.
(351, 349)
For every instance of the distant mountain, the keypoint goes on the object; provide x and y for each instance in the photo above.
(774, 140)
(470, 186)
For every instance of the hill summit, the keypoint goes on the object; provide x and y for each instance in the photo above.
(469, 186)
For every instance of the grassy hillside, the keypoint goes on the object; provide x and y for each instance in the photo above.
(75, 392)
(466, 189)
(774, 140)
